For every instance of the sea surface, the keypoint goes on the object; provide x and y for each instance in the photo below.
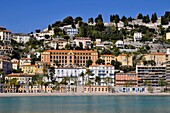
(85, 104)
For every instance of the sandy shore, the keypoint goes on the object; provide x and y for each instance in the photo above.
(80, 94)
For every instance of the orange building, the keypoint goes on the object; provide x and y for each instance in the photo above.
(126, 79)
(69, 57)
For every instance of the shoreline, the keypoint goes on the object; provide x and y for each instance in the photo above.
(80, 94)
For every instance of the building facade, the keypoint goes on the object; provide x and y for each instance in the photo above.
(105, 72)
(69, 57)
(137, 37)
(69, 72)
(126, 79)
(5, 36)
(107, 58)
(125, 59)
(150, 75)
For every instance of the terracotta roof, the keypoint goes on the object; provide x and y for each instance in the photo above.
(28, 65)
(69, 51)
(156, 53)
(106, 55)
(101, 65)
(25, 58)
(6, 31)
(19, 75)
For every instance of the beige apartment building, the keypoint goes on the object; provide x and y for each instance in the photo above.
(125, 59)
(69, 57)
(159, 58)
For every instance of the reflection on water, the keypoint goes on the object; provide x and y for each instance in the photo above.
(86, 104)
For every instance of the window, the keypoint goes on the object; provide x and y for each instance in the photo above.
(102, 89)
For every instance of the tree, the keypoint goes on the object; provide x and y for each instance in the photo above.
(100, 61)
(98, 79)
(78, 19)
(111, 18)
(83, 30)
(123, 19)
(82, 76)
(52, 74)
(130, 19)
(37, 30)
(99, 18)
(81, 45)
(116, 51)
(33, 58)
(99, 26)
(140, 16)
(154, 18)
(90, 20)
(57, 24)
(66, 37)
(146, 19)
(117, 19)
(68, 20)
(108, 80)
(164, 21)
(89, 62)
(162, 82)
(49, 27)
(116, 63)
(167, 15)
(47, 36)
(150, 89)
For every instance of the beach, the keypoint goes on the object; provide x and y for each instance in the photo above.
(81, 94)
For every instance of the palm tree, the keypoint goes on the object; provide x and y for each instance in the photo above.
(56, 86)
(82, 75)
(98, 79)
(14, 85)
(31, 84)
(89, 83)
(88, 73)
(162, 82)
(108, 80)
(38, 79)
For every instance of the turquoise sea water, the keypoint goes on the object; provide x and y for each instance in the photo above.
(86, 104)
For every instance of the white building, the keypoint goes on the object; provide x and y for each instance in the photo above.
(137, 37)
(58, 44)
(86, 41)
(15, 64)
(5, 36)
(72, 73)
(105, 72)
(42, 35)
(72, 32)
(21, 38)
(119, 44)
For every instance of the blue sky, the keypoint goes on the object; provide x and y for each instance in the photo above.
(27, 15)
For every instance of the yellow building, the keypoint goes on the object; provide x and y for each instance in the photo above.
(167, 35)
(69, 57)
(108, 58)
(125, 59)
(29, 69)
(159, 58)
(41, 67)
